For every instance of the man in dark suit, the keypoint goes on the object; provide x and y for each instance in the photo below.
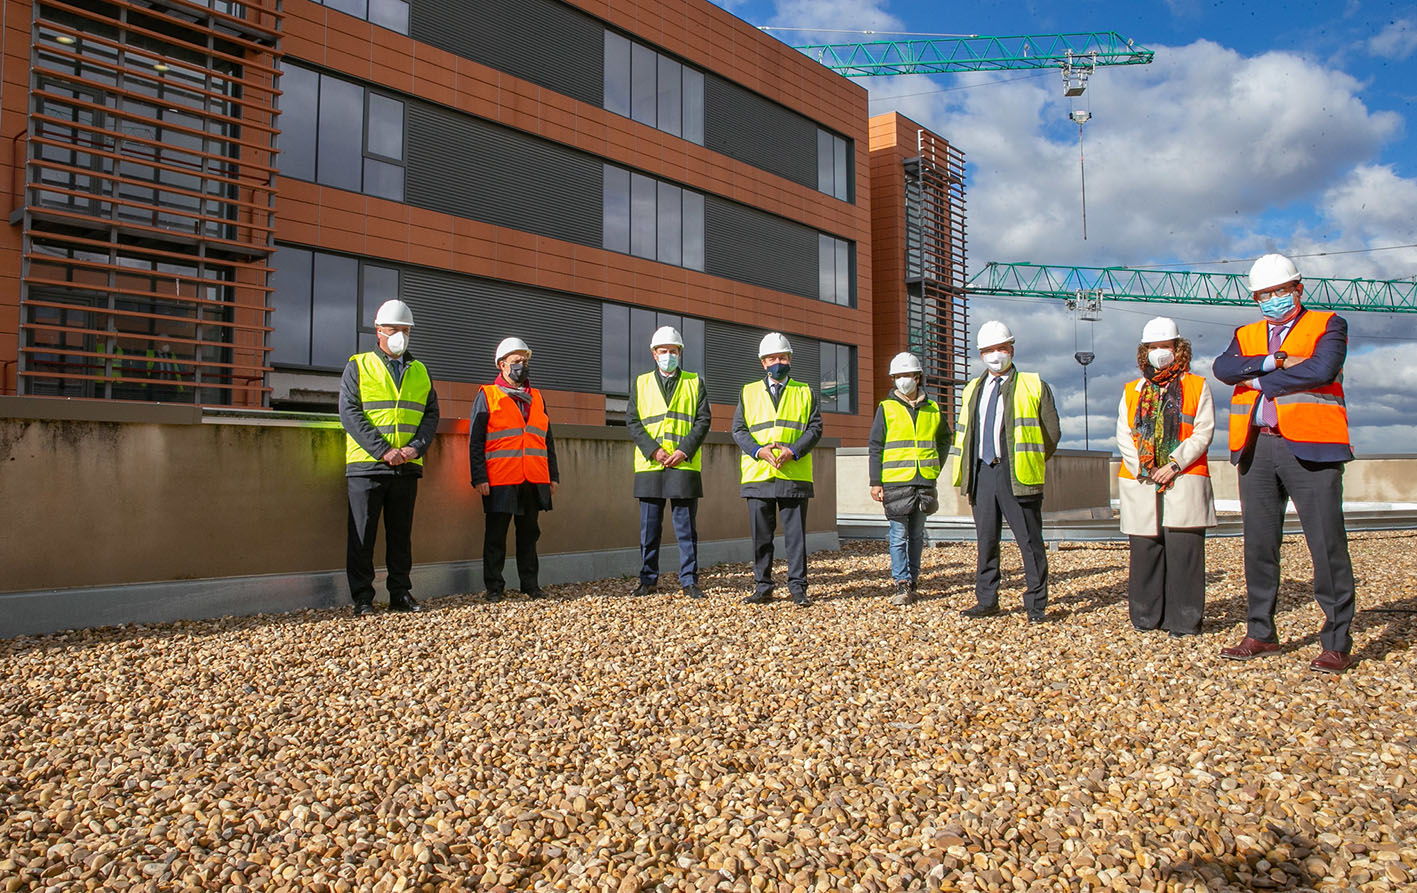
(1289, 437)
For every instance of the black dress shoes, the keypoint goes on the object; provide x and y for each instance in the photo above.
(980, 611)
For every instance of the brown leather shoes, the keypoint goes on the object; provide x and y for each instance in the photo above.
(1334, 662)
(1248, 649)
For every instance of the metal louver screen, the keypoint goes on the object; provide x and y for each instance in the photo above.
(752, 246)
(513, 180)
(461, 319)
(518, 37)
(757, 131)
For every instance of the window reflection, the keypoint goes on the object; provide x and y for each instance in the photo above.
(653, 88)
(651, 219)
(644, 94)
(617, 74)
(616, 221)
(338, 133)
(323, 305)
(625, 336)
(391, 14)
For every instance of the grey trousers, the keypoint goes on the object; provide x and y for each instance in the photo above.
(995, 502)
(1270, 477)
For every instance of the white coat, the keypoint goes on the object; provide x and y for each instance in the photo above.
(1190, 502)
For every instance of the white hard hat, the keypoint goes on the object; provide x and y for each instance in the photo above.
(991, 333)
(666, 336)
(774, 343)
(1272, 270)
(512, 345)
(1160, 328)
(394, 313)
(905, 362)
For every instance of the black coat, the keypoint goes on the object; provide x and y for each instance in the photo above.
(777, 488)
(671, 483)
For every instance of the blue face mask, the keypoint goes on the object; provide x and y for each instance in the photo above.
(1278, 306)
(778, 371)
(667, 362)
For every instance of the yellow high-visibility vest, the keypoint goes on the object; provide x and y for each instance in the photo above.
(1028, 459)
(910, 443)
(783, 423)
(395, 411)
(667, 423)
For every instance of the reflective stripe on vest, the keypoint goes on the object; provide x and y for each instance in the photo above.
(910, 443)
(1190, 401)
(1318, 415)
(395, 411)
(516, 447)
(668, 423)
(783, 423)
(1028, 459)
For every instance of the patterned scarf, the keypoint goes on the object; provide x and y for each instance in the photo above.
(1156, 430)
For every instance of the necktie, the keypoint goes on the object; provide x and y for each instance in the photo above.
(776, 390)
(990, 450)
(1269, 414)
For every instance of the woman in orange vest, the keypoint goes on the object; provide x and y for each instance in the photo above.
(512, 461)
(1165, 423)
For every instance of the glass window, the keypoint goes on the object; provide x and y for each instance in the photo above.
(828, 391)
(644, 95)
(694, 106)
(826, 268)
(334, 308)
(298, 106)
(377, 285)
(643, 224)
(846, 374)
(693, 229)
(614, 349)
(693, 332)
(642, 326)
(843, 272)
(385, 127)
(340, 149)
(826, 174)
(358, 8)
(290, 303)
(671, 116)
(383, 179)
(671, 229)
(842, 187)
(616, 227)
(391, 14)
(617, 74)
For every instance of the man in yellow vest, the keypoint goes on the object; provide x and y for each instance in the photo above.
(389, 411)
(776, 425)
(909, 438)
(1008, 427)
(668, 420)
(1289, 437)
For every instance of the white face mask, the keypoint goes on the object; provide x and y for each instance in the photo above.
(997, 360)
(398, 343)
(1160, 357)
(905, 384)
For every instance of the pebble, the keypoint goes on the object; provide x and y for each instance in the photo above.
(594, 741)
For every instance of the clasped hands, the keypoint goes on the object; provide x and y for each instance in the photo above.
(668, 459)
(775, 454)
(399, 455)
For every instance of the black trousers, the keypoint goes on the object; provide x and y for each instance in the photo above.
(494, 550)
(994, 503)
(392, 496)
(685, 513)
(1268, 479)
(763, 515)
(1166, 580)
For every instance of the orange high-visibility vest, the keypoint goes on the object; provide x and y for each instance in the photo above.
(1190, 400)
(1318, 415)
(516, 447)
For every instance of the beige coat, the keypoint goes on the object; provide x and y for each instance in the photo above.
(1190, 502)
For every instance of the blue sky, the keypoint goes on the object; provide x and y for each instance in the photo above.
(1259, 127)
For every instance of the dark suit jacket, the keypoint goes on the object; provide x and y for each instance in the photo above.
(1233, 367)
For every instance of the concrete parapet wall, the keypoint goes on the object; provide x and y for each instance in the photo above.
(1076, 486)
(1375, 479)
(103, 494)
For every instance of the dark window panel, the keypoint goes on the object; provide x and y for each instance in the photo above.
(671, 229)
(693, 106)
(290, 316)
(335, 306)
(617, 74)
(671, 94)
(379, 284)
(693, 332)
(826, 268)
(644, 95)
(841, 186)
(615, 349)
(383, 179)
(643, 222)
(693, 230)
(359, 8)
(391, 14)
(299, 105)
(385, 127)
(843, 272)
(617, 209)
(642, 325)
(826, 176)
(340, 151)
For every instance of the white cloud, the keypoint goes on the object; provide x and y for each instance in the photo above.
(1397, 41)
(829, 16)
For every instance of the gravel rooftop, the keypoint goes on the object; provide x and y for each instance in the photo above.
(597, 742)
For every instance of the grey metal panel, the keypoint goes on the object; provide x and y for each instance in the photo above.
(731, 357)
(467, 316)
(753, 246)
(472, 168)
(807, 362)
(757, 131)
(541, 41)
